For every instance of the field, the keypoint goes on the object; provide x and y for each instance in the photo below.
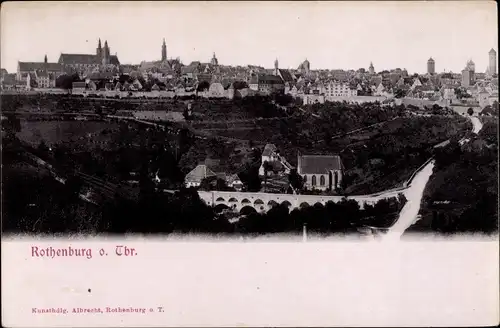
(79, 134)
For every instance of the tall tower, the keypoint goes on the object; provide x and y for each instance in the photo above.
(492, 67)
(276, 67)
(105, 57)
(164, 51)
(371, 69)
(98, 50)
(214, 60)
(431, 66)
(307, 66)
(45, 59)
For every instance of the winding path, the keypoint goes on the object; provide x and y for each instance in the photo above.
(409, 214)
(477, 125)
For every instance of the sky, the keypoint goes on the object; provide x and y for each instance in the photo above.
(331, 35)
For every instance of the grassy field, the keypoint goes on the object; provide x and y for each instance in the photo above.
(86, 134)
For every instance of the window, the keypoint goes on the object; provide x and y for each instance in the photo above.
(322, 180)
(313, 180)
(305, 178)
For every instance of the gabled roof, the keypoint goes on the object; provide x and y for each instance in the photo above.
(41, 73)
(70, 59)
(199, 173)
(33, 66)
(319, 164)
(269, 149)
(286, 75)
(86, 59)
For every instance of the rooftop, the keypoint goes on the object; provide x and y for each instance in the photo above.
(318, 164)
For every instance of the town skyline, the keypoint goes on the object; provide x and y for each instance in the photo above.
(291, 44)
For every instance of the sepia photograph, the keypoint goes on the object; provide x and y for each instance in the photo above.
(243, 121)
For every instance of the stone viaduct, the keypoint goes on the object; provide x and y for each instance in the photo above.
(262, 202)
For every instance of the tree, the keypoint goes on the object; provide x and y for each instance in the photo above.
(214, 183)
(202, 86)
(250, 178)
(65, 81)
(295, 180)
(470, 111)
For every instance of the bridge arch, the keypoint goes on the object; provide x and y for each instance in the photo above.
(272, 203)
(318, 205)
(220, 207)
(233, 200)
(245, 201)
(220, 199)
(286, 203)
(304, 205)
(258, 202)
(246, 210)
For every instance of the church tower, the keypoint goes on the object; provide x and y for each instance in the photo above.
(45, 59)
(164, 51)
(371, 69)
(98, 50)
(276, 67)
(214, 60)
(105, 57)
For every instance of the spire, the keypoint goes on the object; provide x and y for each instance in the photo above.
(45, 59)
(99, 45)
(106, 44)
(164, 51)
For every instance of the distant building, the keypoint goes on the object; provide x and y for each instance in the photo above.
(267, 84)
(214, 61)
(285, 75)
(492, 66)
(335, 89)
(25, 68)
(44, 79)
(271, 155)
(467, 78)
(81, 63)
(471, 66)
(305, 67)
(371, 69)
(194, 178)
(164, 51)
(320, 172)
(216, 90)
(431, 66)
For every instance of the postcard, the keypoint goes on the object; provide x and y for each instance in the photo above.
(246, 163)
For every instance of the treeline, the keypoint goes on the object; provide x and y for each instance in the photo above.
(462, 194)
(39, 204)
